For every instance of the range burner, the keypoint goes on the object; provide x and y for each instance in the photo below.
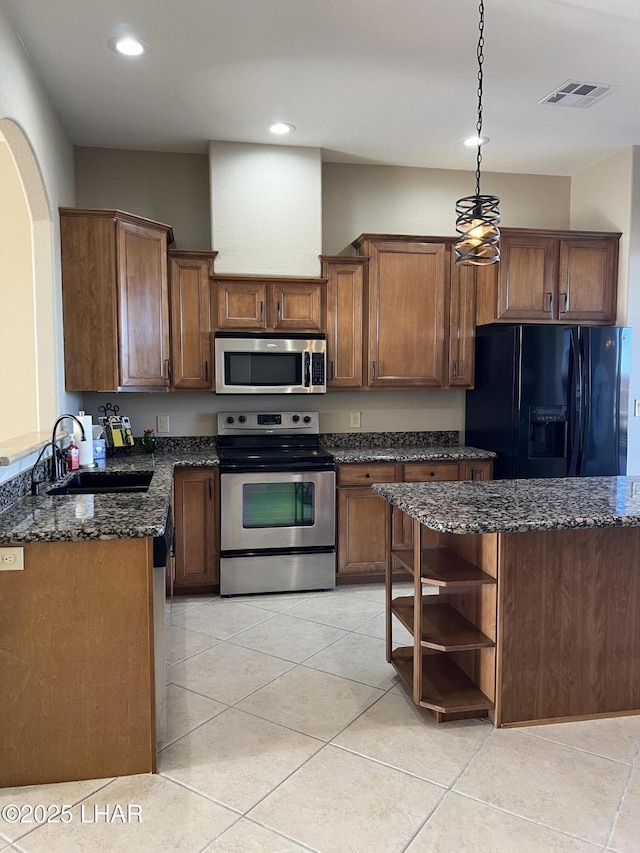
(278, 441)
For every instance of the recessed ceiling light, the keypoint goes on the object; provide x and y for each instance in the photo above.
(280, 127)
(474, 141)
(128, 46)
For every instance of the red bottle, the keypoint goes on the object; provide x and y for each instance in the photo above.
(73, 457)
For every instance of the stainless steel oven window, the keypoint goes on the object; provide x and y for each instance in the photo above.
(299, 512)
(278, 504)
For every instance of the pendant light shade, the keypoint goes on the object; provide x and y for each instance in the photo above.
(477, 216)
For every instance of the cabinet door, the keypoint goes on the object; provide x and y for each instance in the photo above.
(475, 469)
(363, 531)
(527, 278)
(296, 306)
(345, 292)
(196, 527)
(462, 325)
(241, 304)
(407, 288)
(588, 280)
(144, 306)
(190, 320)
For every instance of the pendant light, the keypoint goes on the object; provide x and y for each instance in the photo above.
(478, 215)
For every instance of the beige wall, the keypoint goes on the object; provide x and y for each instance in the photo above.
(266, 208)
(18, 375)
(44, 158)
(171, 188)
(401, 200)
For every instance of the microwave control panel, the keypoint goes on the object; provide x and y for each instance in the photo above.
(317, 368)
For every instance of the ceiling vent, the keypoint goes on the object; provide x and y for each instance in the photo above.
(573, 93)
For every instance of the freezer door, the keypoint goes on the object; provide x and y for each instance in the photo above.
(605, 371)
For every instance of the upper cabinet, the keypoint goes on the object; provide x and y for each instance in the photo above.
(115, 301)
(189, 296)
(419, 313)
(269, 303)
(346, 278)
(551, 277)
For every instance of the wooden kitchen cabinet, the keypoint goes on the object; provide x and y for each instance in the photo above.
(362, 520)
(272, 304)
(462, 325)
(419, 313)
(346, 277)
(197, 559)
(190, 301)
(363, 517)
(551, 277)
(115, 301)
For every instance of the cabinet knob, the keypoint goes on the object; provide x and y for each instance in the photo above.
(367, 475)
(432, 473)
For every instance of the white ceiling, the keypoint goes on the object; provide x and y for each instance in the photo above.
(367, 81)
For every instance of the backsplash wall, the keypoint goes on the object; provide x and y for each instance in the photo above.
(381, 411)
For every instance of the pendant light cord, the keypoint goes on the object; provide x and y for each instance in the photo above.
(480, 54)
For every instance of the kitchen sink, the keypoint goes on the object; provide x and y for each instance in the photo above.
(91, 483)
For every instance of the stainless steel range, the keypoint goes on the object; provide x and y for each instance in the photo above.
(277, 503)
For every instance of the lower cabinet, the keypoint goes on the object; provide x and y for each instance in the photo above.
(197, 559)
(363, 517)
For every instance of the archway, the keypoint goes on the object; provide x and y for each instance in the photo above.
(27, 325)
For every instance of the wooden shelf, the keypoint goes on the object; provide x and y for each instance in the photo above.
(443, 567)
(445, 687)
(443, 627)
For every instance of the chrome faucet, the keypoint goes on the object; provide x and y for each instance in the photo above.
(57, 458)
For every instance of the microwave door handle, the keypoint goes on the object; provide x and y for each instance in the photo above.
(307, 369)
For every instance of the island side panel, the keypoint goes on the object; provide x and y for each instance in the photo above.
(76, 652)
(569, 640)
(477, 605)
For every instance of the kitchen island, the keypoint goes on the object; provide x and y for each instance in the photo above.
(538, 619)
(81, 628)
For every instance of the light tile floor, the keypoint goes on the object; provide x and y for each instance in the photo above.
(288, 731)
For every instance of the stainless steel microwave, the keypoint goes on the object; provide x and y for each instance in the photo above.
(270, 363)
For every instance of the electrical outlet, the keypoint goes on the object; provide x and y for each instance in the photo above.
(11, 559)
(354, 420)
(162, 423)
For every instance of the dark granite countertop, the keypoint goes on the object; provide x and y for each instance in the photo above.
(407, 454)
(515, 506)
(49, 518)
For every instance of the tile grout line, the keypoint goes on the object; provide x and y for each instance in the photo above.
(622, 798)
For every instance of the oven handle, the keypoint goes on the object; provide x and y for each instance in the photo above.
(278, 469)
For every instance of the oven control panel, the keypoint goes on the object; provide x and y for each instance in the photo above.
(237, 423)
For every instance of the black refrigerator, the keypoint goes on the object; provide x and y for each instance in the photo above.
(551, 401)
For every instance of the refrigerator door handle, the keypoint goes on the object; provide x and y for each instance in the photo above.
(585, 368)
(575, 404)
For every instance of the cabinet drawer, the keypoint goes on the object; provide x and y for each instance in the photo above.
(423, 472)
(365, 475)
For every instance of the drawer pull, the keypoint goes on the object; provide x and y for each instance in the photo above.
(367, 475)
(432, 473)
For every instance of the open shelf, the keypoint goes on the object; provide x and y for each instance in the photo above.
(443, 567)
(443, 627)
(445, 687)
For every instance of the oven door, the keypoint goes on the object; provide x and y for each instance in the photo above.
(277, 510)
